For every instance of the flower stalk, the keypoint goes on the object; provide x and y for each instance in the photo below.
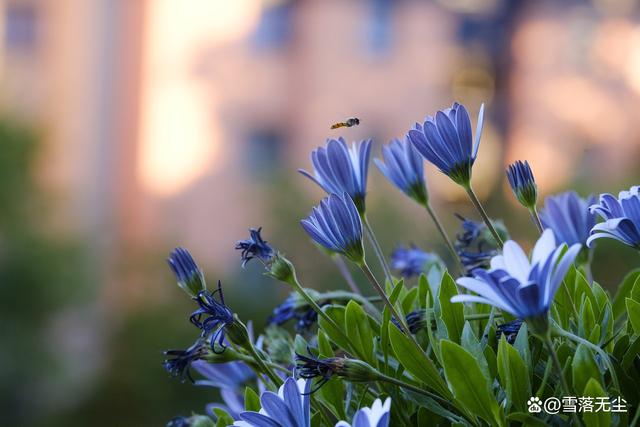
(483, 214)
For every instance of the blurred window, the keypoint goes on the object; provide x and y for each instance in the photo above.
(264, 152)
(379, 26)
(275, 26)
(20, 26)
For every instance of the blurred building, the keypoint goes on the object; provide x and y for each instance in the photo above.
(162, 119)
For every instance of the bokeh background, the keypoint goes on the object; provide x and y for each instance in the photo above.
(128, 127)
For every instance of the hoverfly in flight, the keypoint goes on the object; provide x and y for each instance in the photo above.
(354, 121)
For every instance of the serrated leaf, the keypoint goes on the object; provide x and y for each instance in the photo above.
(416, 362)
(514, 375)
(470, 387)
(633, 311)
(452, 314)
(356, 323)
(599, 418)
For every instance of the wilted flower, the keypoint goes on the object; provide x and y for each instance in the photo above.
(309, 367)
(336, 225)
(568, 215)
(212, 316)
(274, 262)
(296, 308)
(521, 287)
(255, 247)
(178, 363)
(509, 330)
(339, 169)
(446, 141)
(190, 277)
(376, 416)
(290, 407)
(475, 246)
(411, 260)
(522, 183)
(404, 167)
(622, 218)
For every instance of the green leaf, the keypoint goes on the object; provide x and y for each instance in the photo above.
(335, 313)
(409, 299)
(522, 345)
(251, 400)
(583, 368)
(468, 383)
(452, 314)
(384, 329)
(300, 345)
(224, 419)
(423, 290)
(514, 375)
(356, 323)
(633, 311)
(587, 319)
(471, 343)
(600, 418)
(624, 290)
(415, 361)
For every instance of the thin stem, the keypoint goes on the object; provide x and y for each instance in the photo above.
(377, 249)
(545, 377)
(413, 388)
(558, 367)
(374, 282)
(446, 239)
(483, 214)
(249, 359)
(314, 305)
(263, 366)
(346, 274)
(605, 357)
(536, 219)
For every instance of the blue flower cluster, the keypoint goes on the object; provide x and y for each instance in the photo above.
(350, 336)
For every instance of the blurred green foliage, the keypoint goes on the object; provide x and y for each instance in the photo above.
(39, 274)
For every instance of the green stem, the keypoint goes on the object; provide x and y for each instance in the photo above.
(546, 339)
(536, 219)
(446, 239)
(603, 354)
(263, 366)
(483, 214)
(380, 290)
(314, 305)
(377, 249)
(402, 322)
(346, 274)
(545, 377)
(413, 388)
(250, 359)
